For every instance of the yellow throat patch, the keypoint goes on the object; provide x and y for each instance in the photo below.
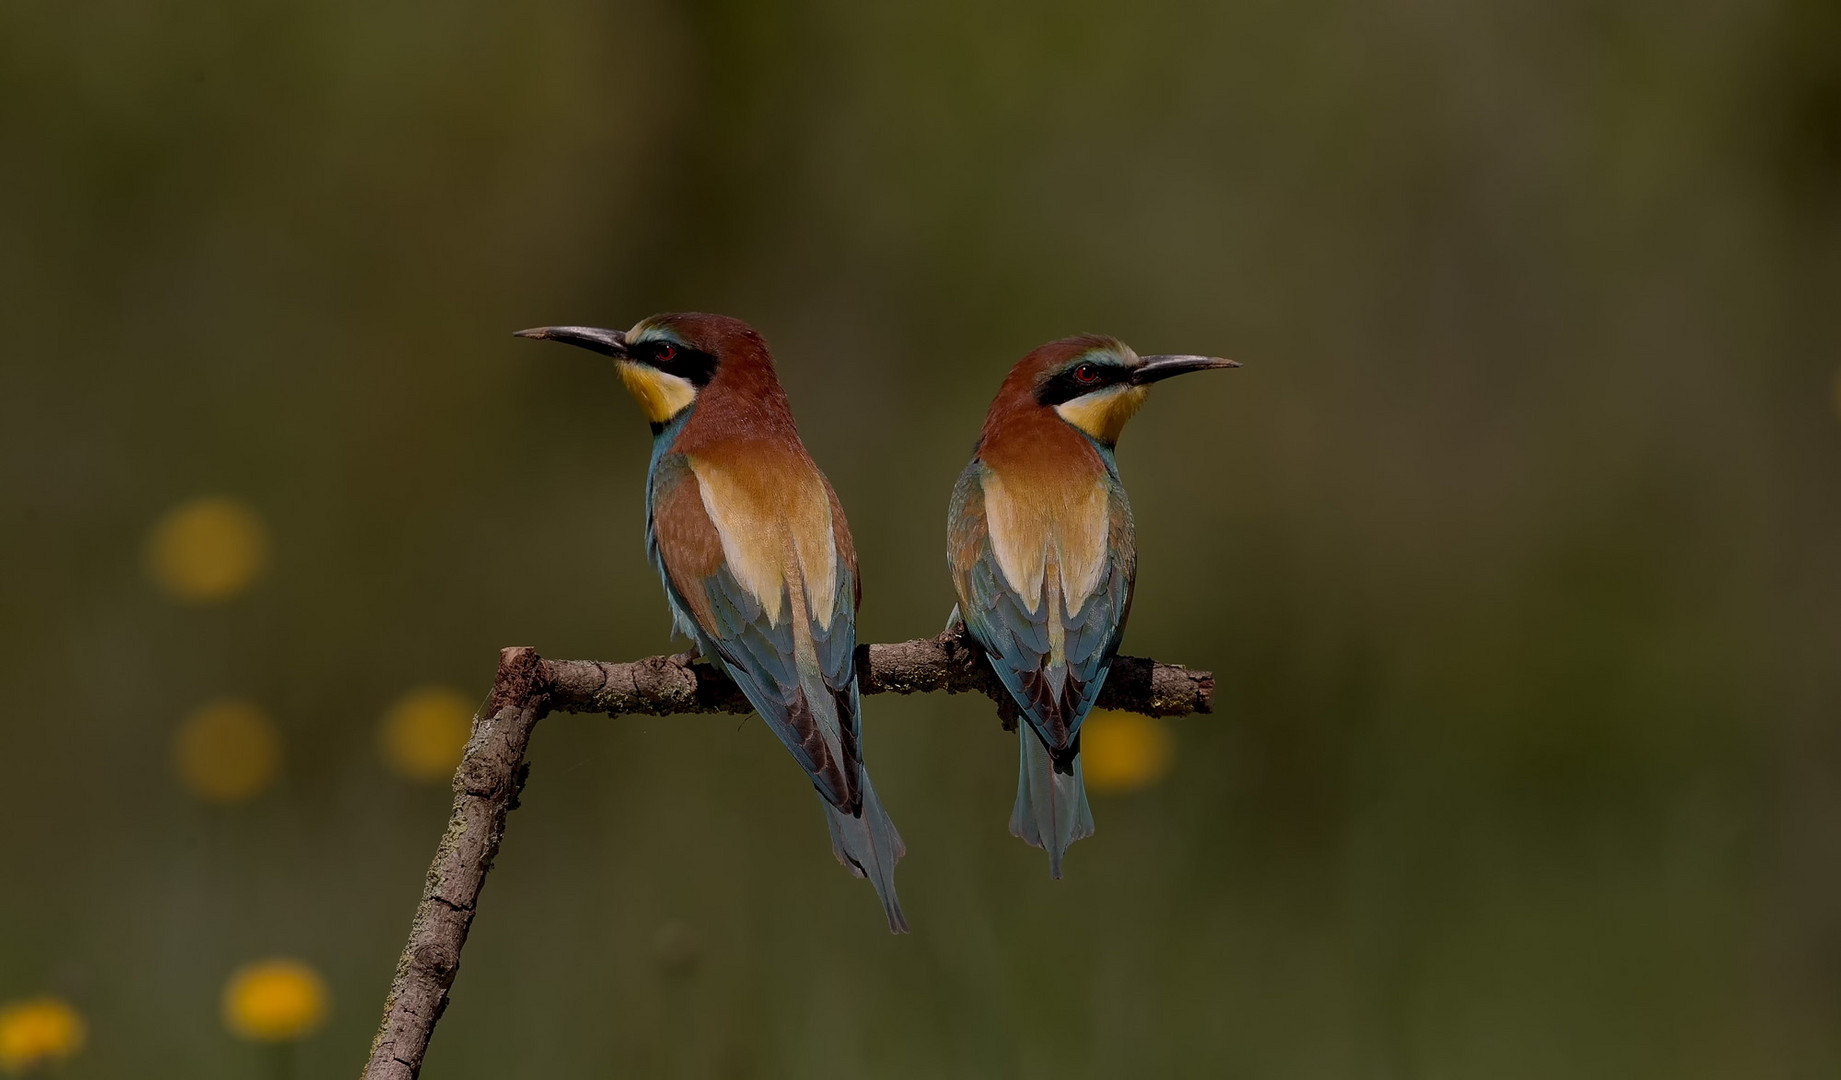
(660, 396)
(1103, 413)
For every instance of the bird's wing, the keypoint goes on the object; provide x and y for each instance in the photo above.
(836, 638)
(1098, 624)
(761, 576)
(1053, 669)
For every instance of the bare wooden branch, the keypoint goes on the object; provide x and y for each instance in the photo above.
(492, 773)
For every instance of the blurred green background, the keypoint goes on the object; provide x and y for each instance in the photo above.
(1514, 545)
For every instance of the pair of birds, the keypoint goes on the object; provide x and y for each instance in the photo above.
(761, 573)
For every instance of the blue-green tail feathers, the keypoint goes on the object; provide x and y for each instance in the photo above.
(868, 844)
(1051, 807)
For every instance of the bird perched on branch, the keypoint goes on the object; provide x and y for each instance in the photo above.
(1040, 545)
(756, 558)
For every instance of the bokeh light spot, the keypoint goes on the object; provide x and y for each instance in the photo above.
(276, 1000)
(227, 752)
(424, 732)
(1121, 751)
(39, 1032)
(207, 549)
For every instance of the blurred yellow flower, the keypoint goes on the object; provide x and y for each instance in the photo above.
(424, 732)
(277, 1000)
(207, 549)
(38, 1032)
(227, 752)
(1121, 751)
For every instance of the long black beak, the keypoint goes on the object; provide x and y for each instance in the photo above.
(1158, 368)
(592, 338)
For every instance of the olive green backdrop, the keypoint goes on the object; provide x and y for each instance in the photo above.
(1514, 544)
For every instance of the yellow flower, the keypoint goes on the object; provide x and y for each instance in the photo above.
(277, 1000)
(424, 733)
(207, 549)
(227, 752)
(37, 1032)
(1123, 751)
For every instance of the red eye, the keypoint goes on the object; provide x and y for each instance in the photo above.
(1087, 374)
(666, 352)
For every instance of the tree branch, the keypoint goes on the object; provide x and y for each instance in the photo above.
(492, 773)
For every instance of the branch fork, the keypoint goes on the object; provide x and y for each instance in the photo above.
(492, 773)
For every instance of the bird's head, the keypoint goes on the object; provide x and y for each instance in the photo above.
(1097, 383)
(667, 360)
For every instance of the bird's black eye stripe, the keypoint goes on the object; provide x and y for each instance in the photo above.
(1082, 378)
(680, 360)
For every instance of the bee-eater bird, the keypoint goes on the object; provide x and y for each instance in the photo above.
(1040, 545)
(757, 561)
